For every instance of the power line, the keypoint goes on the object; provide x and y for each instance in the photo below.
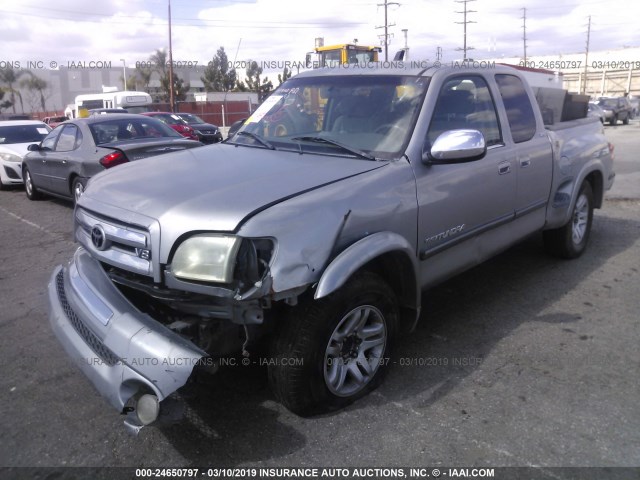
(220, 23)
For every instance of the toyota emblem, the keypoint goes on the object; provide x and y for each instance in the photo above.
(98, 237)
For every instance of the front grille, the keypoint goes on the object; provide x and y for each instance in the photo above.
(124, 245)
(106, 355)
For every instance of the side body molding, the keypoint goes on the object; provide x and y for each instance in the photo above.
(359, 254)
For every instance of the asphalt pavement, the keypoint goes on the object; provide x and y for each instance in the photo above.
(523, 361)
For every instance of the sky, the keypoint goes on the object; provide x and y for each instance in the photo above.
(54, 33)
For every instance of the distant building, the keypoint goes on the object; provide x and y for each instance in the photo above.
(64, 84)
(608, 73)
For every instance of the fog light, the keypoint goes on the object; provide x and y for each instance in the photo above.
(147, 408)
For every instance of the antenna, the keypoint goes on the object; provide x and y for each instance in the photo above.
(586, 57)
(172, 101)
(524, 33)
(406, 44)
(464, 22)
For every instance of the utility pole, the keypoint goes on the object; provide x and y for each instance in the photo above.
(386, 27)
(464, 22)
(524, 33)
(438, 53)
(172, 102)
(586, 58)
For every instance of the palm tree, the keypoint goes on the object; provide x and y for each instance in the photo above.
(9, 77)
(6, 104)
(159, 61)
(144, 75)
(36, 84)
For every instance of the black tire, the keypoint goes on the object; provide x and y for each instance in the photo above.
(613, 120)
(626, 120)
(77, 188)
(29, 188)
(570, 240)
(308, 354)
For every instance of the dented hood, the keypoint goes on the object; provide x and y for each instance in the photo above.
(216, 187)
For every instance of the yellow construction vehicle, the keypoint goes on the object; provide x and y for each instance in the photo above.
(341, 54)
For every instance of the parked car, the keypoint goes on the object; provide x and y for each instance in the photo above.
(15, 138)
(53, 122)
(14, 116)
(235, 126)
(75, 151)
(635, 106)
(175, 122)
(595, 110)
(616, 108)
(102, 111)
(207, 132)
(312, 232)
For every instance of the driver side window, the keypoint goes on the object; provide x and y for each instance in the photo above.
(50, 140)
(465, 103)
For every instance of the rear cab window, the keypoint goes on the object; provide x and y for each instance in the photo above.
(517, 104)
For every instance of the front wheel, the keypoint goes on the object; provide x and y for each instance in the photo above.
(332, 351)
(29, 188)
(613, 120)
(570, 240)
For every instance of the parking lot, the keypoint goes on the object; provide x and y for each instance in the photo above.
(524, 361)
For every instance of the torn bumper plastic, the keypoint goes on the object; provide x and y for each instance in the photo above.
(123, 351)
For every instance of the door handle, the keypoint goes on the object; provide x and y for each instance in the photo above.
(504, 168)
(525, 162)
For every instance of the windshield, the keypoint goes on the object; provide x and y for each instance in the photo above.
(126, 129)
(370, 114)
(610, 102)
(191, 119)
(23, 133)
(170, 119)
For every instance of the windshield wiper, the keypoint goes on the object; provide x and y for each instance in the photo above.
(344, 147)
(257, 138)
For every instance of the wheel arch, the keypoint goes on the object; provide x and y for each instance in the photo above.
(390, 256)
(597, 187)
(566, 194)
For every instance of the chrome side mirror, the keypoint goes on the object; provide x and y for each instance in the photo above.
(456, 146)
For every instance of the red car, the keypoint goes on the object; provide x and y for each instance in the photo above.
(175, 122)
(53, 122)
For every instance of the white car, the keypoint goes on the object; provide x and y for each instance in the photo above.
(15, 137)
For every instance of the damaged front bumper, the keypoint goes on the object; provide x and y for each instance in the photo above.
(132, 360)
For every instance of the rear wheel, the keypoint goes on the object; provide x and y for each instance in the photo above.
(30, 189)
(332, 351)
(626, 120)
(613, 120)
(570, 240)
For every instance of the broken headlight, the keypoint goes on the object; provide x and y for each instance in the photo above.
(206, 258)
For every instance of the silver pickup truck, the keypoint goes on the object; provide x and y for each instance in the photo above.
(307, 238)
